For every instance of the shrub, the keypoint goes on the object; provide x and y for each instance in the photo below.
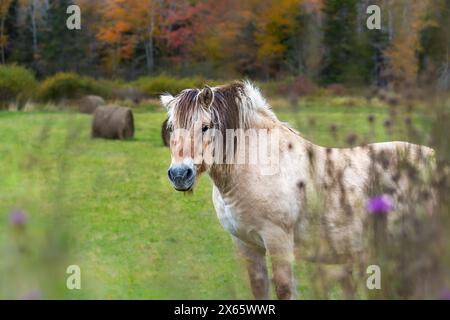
(337, 89)
(298, 87)
(154, 86)
(71, 86)
(17, 84)
(128, 93)
(271, 88)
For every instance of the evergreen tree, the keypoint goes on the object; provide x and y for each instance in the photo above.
(304, 44)
(245, 56)
(340, 40)
(22, 48)
(62, 49)
(11, 28)
(377, 42)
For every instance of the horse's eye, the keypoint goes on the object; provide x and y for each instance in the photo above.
(205, 128)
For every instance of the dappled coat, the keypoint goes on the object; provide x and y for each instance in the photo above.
(316, 197)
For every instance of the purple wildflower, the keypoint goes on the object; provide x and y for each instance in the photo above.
(380, 204)
(32, 295)
(445, 294)
(18, 218)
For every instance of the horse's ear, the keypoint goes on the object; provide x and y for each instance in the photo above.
(166, 99)
(206, 97)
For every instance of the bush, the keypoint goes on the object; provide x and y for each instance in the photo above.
(298, 87)
(154, 86)
(17, 84)
(71, 86)
(291, 87)
(270, 88)
(337, 89)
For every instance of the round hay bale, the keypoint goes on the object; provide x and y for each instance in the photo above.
(88, 104)
(113, 122)
(165, 133)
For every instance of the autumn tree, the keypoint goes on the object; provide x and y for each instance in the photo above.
(435, 45)
(409, 21)
(305, 44)
(275, 26)
(223, 40)
(128, 24)
(184, 28)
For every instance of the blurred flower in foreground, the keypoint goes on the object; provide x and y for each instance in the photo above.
(445, 294)
(380, 204)
(18, 218)
(32, 295)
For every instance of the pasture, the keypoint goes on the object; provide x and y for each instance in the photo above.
(132, 235)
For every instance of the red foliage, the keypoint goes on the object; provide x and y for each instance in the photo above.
(301, 86)
(184, 23)
(337, 89)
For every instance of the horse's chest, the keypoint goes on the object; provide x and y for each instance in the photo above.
(228, 219)
(239, 228)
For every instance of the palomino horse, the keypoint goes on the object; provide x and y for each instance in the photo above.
(270, 212)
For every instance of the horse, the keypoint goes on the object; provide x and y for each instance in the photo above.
(165, 133)
(268, 212)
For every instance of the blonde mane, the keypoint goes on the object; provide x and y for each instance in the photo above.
(234, 106)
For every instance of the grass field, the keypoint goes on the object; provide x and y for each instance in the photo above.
(131, 234)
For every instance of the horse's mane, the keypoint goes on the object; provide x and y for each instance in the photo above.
(234, 106)
(237, 105)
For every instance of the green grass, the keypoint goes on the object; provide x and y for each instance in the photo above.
(133, 236)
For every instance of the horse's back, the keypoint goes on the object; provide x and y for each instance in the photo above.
(413, 152)
(350, 176)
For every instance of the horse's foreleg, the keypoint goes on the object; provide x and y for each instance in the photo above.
(280, 246)
(256, 268)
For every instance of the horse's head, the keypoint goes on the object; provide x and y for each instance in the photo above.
(209, 129)
(195, 123)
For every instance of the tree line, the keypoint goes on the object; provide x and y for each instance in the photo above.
(326, 41)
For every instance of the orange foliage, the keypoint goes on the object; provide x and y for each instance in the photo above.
(402, 52)
(125, 22)
(275, 24)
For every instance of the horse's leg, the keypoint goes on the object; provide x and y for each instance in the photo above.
(255, 260)
(280, 246)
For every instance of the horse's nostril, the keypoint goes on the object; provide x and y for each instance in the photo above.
(189, 173)
(169, 173)
(180, 175)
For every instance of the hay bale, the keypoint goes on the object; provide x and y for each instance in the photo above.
(88, 104)
(113, 122)
(165, 133)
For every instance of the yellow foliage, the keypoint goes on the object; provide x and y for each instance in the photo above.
(402, 52)
(4, 6)
(126, 21)
(275, 23)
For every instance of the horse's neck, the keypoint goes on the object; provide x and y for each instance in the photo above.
(224, 176)
(227, 176)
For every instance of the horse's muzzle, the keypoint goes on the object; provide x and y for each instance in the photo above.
(182, 177)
